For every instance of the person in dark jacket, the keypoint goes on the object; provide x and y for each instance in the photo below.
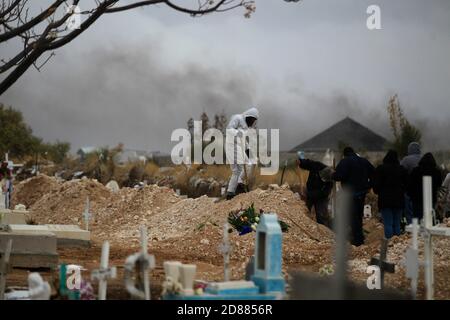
(427, 167)
(355, 174)
(317, 190)
(409, 162)
(389, 183)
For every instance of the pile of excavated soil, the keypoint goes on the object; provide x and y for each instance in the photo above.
(29, 191)
(192, 228)
(65, 204)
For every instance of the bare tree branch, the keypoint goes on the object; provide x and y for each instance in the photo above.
(38, 38)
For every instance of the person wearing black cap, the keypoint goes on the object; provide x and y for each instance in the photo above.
(355, 174)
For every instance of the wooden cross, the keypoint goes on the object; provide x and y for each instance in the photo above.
(5, 268)
(381, 261)
(104, 273)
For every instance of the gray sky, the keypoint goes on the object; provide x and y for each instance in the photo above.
(135, 76)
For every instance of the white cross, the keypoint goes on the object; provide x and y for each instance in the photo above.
(142, 262)
(428, 231)
(87, 216)
(225, 249)
(104, 273)
(4, 266)
(412, 258)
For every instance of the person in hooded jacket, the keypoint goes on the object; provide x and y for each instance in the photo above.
(317, 190)
(389, 183)
(355, 174)
(237, 150)
(427, 167)
(409, 162)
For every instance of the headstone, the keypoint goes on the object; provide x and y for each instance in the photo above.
(187, 275)
(104, 273)
(113, 186)
(268, 255)
(172, 269)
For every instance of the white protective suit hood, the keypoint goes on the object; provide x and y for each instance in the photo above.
(252, 112)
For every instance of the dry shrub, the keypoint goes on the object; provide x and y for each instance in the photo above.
(150, 170)
(220, 172)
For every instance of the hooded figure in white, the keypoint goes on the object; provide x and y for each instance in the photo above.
(238, 126)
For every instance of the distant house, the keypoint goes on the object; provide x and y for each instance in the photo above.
(83, 152)
(130, 155)
(346, 132)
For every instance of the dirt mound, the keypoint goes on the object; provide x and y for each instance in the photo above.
(29, 191)
(64, 205)
(190, 228)
(194, 228)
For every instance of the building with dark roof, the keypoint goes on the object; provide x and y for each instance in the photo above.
(346, 132)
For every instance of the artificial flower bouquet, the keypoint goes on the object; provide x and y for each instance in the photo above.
(246, 221)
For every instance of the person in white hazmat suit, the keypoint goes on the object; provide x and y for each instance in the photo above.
(238, 126)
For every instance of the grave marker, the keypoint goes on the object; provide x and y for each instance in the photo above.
(381, 261)
(104, 273)
(140, 263)
(268, 255)
(428, 231)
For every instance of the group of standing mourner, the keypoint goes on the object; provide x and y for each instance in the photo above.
(6, 183)
(398, 185)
